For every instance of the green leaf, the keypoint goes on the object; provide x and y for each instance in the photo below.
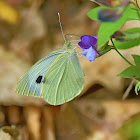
(93, 14)
(136, 59)
(109, 28)
(131, 43)
(132, 30)
(131, 72)
(137, 88)
(134, 14)
(126, 44)
(130, 130)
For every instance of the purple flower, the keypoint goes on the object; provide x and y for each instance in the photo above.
(89, 45)
(108, 15)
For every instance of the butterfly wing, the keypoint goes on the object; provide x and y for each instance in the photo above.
(31, 83)
(64, 80)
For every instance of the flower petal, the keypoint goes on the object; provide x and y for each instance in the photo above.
(84, 52)
(82, 45)
(94, 48)
(88, 38)
(85, 40)
(91, 55)
(93, 39)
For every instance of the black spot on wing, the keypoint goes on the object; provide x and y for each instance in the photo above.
(39, 79)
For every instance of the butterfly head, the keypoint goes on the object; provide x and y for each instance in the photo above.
(68, 46)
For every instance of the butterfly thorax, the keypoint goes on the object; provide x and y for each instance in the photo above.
(68, 47)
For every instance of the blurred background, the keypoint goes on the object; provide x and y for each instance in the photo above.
(29, 30)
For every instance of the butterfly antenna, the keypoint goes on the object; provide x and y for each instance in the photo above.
(61, 27)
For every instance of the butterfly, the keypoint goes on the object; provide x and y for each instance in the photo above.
(58, 77)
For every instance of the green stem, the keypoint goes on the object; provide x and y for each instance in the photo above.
(137, 4)
(121, 54)
(137, 7)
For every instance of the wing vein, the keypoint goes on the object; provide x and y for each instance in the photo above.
(76, 73)
(54, 78)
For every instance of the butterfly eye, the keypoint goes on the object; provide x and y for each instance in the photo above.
(39, 79)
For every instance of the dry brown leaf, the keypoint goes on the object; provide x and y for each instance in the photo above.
(9, 133)
(33, 116)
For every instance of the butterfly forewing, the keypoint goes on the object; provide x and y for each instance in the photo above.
(64, 80)
(31, 82)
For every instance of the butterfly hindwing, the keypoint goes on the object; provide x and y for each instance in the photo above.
(31, 82)
(64, 80)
